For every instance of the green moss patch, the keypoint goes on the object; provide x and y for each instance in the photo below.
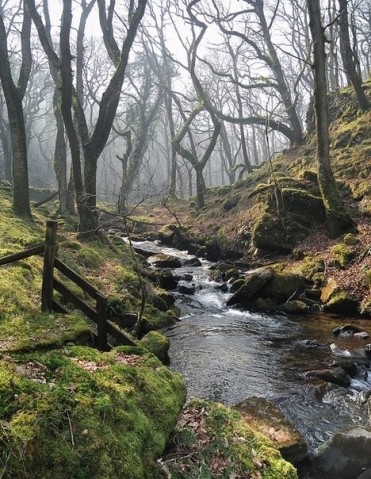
(83, 414)
(211, 441)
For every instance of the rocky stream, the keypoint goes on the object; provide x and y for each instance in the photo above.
(311, 367)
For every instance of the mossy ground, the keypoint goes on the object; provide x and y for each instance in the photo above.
(79, 413)
(212, 441)
(67, 410)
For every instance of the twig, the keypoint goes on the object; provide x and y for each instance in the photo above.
(70, 426)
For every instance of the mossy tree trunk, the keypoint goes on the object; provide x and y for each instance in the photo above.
(338, 219)
(348, 57)
(14, 95)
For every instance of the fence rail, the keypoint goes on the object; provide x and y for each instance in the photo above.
(48, 303)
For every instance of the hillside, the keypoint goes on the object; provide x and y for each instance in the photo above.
(275, 215)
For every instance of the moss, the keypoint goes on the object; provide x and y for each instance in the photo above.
(350, 239)
(216, 442)
(158, 344)
(310, 266)
(343, 254)
(85, 414)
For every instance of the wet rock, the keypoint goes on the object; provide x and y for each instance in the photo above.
(164, 261)
(348, 365)
(265, 417)
(346, 455)
(365, 475)
(164, 278)
(222, 287)
(333, 375)
(339, 352)
(194, 262)
(264, 305)
(309, 343)
(362, 335)
(185, 289)
(236, 285)
(163, 300)
(254, 281)
(294, 306)
(349, 328)
(364, 396)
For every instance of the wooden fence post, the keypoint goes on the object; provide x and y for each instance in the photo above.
(102, 322)
(49, 256)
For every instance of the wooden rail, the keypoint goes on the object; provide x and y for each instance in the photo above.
(98, 314)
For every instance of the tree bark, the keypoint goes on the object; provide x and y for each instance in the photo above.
(14, 96)
(338, 219)
(348, 57)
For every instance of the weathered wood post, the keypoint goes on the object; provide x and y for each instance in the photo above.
(102, 322)
(49, 256)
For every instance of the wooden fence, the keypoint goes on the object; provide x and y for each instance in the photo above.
(98, 314)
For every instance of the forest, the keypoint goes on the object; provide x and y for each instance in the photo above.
(238, 134)
(131, 102)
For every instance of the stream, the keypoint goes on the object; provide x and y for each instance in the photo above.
(227, 355)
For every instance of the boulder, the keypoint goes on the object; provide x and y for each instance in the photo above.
(254, 281)
(194, 262)
(294, 306)
(164, 261)
(346, 455)
(163, 278)
(283, 286)
(270, 235)
(335, 375)
(163, 300)
(266, 418)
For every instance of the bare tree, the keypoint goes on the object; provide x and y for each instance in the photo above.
(348, 56)
(338, 219)
(85, 145)
(14, 94)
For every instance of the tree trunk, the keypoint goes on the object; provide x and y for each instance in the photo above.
(337, 218)
(348, 57)
(13, 96)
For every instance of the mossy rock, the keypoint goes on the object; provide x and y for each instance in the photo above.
(343, 254)
(283, 286)
(278, 234)
(294, 306)
(83, 414)
(310, 208)
(210, 435)
(264, 305)
(158, 344)
(309, 175)
(350, 239)
(329, 289)
(341, 303)
(251, 287)
(310, 266)
(266, 418)
(163, 300)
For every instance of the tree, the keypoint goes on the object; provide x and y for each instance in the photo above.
(86, 145)
(267, 54)
(139, 119)
(338, 219)
(348, 57)
(14, 94)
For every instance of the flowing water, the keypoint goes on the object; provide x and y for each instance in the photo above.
(228, 355)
